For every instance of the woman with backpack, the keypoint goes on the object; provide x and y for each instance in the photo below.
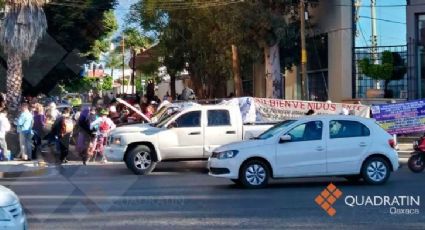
(104, 125)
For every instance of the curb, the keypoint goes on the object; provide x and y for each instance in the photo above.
(40, 171)
(33, 173)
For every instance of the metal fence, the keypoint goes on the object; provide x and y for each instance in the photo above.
(362, 82)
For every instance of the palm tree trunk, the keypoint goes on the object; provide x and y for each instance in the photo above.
(14, 82)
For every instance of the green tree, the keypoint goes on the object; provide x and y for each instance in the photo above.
(107, 83)
(391, 68)
(22, 28)
(75, 29)
(113, 61)
(203, 36)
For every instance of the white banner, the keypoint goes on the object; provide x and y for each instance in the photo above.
(272, 110)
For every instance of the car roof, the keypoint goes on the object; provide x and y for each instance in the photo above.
(335, 117)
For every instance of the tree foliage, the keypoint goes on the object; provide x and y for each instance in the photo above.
(203, 36)
(391, 68)
(78, 31)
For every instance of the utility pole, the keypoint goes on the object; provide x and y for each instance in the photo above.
(374, 37)
(123, 63)
(133, 66)
(304, 77)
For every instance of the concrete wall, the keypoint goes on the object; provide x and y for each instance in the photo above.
(334, 17)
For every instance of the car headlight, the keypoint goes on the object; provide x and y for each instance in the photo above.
(4, 216)
(225, 154)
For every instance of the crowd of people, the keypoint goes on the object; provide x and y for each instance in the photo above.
(40, 128)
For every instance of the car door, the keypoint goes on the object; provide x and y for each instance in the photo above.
(220, 129)
(348, 141)
(305, 153)
(184, 137)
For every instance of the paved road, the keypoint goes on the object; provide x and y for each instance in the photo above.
(182, 196)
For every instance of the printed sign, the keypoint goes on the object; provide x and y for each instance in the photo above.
(401, 118)
(272, 110)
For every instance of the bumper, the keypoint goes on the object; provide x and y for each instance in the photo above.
(395, 162)
(227, 168)
(17, 224)
(115, 152)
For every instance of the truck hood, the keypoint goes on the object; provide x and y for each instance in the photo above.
(136, 128)
(7, 197)
(132, 128)
(240, 145)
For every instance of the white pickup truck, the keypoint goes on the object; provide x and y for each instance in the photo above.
(190, 134)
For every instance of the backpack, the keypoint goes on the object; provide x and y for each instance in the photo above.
(104, 126)
(67, 126)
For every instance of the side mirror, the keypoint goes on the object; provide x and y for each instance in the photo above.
(172, 125)
(285, 138)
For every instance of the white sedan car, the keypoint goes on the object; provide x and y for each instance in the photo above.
(12, 215)
(311, 146)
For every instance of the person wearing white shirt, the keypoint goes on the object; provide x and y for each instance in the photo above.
(4, 128)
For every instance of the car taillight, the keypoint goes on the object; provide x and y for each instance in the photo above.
(392, 143)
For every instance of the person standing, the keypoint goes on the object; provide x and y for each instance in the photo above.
(104, 125)
(84, 135)
(24, 125)
(39, 124)
(4, 128)
(62, 130)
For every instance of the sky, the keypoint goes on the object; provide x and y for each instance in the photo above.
(389, 33)
(122, 9)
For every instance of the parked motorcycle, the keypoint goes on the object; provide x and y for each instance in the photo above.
(416, 161)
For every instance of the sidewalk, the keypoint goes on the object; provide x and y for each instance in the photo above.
(15, 169)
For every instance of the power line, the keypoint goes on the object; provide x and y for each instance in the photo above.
(384, 20)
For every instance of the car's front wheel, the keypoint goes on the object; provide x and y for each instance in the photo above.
(376, 170)
(140, 160)
(254, 174)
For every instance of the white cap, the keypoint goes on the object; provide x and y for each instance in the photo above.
(52, 105)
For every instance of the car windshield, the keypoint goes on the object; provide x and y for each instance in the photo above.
(275, 129)
(164, 120)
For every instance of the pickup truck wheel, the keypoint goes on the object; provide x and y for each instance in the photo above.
(254, 174)
(140, 160)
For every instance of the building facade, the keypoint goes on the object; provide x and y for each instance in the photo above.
(330, 56)
(415, 20)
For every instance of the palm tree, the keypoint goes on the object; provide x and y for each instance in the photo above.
(22, 28)
(113, 61)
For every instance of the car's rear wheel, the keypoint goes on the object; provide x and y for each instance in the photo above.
(376, 170)
(254, 174)
(140, 160)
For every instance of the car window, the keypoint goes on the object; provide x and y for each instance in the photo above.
(278, 128)
(347, 129)
(218, 118)
(310, 131)
(190, 119)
